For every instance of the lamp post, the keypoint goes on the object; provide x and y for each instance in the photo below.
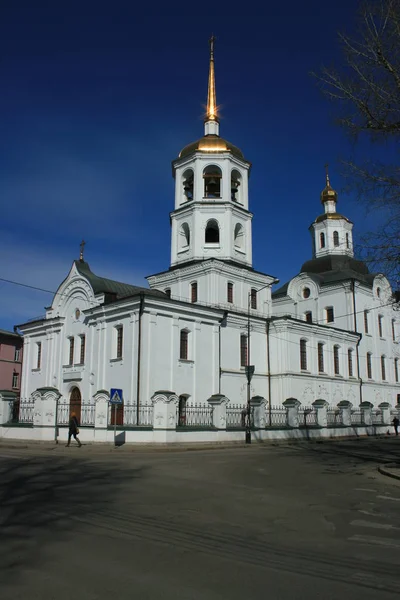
(250, 368)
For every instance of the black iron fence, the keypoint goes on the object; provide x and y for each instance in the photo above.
(334, 417)
(21, 413)
(279, 417)
(195, 415)
(237, 416)
(308, 417)
(377, 417)
(84, 412)
(134, 418)
(357, 417)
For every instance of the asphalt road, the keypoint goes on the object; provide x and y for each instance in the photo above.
(296, 521)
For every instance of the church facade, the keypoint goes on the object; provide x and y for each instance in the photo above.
(209, 331)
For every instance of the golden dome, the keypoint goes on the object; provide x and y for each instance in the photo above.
(212, 144)
(328, 193)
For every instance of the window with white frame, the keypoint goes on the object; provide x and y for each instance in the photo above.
(330, 315)
(369, 365)
(320, 357)
(336, 362)
(303, 355)
(38, 355)
(17, 355)
(383, 368)
(350, 361)
(15, 380)
(184, 345)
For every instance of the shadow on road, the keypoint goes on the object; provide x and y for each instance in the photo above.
(38, 497)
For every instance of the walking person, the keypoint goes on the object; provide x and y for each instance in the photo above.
(396, 425)
(73, 429)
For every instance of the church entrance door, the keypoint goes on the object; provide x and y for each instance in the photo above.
(75, 403)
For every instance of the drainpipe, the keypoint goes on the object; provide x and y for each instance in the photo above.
(219, 350)
(141, 306)
(353, 289)
(269, 375)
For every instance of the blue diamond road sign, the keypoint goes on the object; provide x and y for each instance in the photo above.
(115, 396)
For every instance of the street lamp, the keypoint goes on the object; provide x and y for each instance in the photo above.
(249, 369)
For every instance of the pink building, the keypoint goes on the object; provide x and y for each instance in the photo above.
(10, 361)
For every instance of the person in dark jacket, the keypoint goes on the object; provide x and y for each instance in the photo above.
(73, 429)
(396, 425)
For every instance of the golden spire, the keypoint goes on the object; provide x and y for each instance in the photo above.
(328, 193)
(211, 97)
(82, 246)
(327, 175)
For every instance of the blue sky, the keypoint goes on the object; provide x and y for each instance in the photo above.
(98, 99)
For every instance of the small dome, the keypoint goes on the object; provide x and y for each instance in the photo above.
(213, 144)
(328, 193)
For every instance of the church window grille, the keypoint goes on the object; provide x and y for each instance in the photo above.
(320, 357)
(71, 351)
(336, 363)
(336, 238)
(243, 350)
(230, 292)
(303, 355)
(322, 240)
(350, 361)
(120, 341)
(330, 315)
(193, 292)
(83, 346)
(253, 299)
(369, 365)
(383, 368)
(184, 343)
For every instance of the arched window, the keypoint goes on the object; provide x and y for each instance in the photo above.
(335, 238)
(336, 364)
(168, 292)
(322, 240)
(320, 357)
(71, 351)
(212, 182)
(184, 236)
(184, 345)
(243, 350)
(188, 181)
(235, 186)
(212, 232)
(253, 298)
(350, 361)
(347, 241)
(308, 316)
(380, 325)
(120, 340)
(238, 236)
(383, 368)
(366, 321)
(303, 355)
(193, 291)
(369, 365)
(230, 292)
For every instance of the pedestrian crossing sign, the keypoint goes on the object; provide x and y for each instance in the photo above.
(115, 396)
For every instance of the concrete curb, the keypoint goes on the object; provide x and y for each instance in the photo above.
(386, 470)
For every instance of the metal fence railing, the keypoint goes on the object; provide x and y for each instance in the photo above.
(237, 415)
(194, 415)
(143, 419)
(307, 417)
(334, 417)
(22, 412)
(84, 412)
(278, 417)
(357, 417)
(377, 417)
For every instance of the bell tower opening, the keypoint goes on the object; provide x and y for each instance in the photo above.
(212, 232)
(188, 183)
(212, 176)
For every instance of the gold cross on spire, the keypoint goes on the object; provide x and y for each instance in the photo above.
(327, 174)
(82, 247)
(211, 97)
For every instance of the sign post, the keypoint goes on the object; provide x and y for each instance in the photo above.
(115, 399)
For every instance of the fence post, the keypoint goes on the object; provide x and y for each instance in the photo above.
(101, 399)
(44, 416)
(6, 401)
(257, 405)
(164, 410)
(345, 408)
(292, 407)
(366, 409)
(385, 410)
(218, 403)
(321, 408)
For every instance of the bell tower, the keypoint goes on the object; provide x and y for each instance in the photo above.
(211, 217)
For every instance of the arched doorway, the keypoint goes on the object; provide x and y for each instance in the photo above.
(75, 403)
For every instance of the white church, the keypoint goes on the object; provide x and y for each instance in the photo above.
(322, 351)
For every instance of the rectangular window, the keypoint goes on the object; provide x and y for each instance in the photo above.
(393, 330)
(71, 351)
(83, 344)
(308, 316)
(39, 355)
(15, 378)
(120, 337)
(17, 355)
(303, 355)
(336, 360)
(350, 361)
(183, 351)
(380, 325)
(366, 321)
(330, 317)
(320, 358)
(243, 350)
(383, 368)
(230, 292)
(193, 289)
(253, 295)
(369, 365)
(396, 370)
